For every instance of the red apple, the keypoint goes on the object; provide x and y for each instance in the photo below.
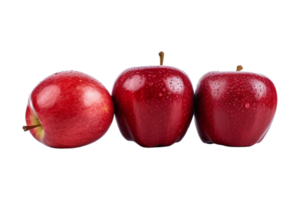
(153, 105)
(69, 109)
(234, 108)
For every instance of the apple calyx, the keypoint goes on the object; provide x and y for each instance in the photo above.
(161, 56)
(239, 68)
(26, 128)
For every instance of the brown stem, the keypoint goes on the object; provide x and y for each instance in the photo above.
(26, 128)
(239, 68)
(161, 55)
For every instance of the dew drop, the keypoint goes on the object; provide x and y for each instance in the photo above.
(160, 94)
(247, 105)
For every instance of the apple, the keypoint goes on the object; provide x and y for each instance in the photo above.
(153, 104)
(69, 109)
(234, 108)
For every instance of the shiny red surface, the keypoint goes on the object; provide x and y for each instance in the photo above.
(153, 105)
(73, 108)
(234, 108)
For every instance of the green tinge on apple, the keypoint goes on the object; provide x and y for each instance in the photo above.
(39, 131)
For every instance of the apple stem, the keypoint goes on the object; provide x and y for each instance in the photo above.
(239, 68)
(161, 56)
(26, 128)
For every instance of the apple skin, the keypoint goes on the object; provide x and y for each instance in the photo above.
(234, 108)
(73, 108)
(153, 105)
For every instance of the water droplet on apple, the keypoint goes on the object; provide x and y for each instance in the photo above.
(160, 94)
(247, 105)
